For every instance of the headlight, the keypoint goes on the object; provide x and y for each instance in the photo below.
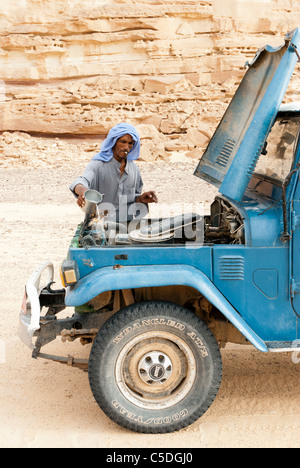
(69, 272)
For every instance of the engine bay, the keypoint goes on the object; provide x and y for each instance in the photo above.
(224, 225)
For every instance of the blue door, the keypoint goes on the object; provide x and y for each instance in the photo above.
(295, 281)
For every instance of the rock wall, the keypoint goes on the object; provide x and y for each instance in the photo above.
(77, 67)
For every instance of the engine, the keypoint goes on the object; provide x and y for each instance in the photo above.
(223, 226)
(101, 231)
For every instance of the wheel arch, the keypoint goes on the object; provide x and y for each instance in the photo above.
(132, 277)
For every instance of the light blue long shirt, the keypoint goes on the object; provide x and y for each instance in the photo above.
(119, 191)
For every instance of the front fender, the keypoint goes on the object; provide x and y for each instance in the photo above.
(131, 277)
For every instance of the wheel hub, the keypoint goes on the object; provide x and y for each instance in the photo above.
(155, 367)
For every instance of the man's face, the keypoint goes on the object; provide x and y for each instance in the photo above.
(122, 147)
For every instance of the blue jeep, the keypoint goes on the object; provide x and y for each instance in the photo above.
(157, 300)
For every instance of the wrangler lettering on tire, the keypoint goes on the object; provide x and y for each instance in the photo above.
(155, 367)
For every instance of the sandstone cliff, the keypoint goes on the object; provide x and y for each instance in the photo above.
(77, 67)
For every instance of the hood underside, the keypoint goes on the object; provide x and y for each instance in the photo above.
(231, 156)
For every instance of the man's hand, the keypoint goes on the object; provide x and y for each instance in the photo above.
(147, 197)
(80, 191)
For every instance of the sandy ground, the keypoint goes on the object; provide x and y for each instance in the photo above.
(44, 404)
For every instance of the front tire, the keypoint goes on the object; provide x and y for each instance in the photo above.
(155, 367)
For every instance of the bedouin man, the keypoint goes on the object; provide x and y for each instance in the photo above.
(114, 173)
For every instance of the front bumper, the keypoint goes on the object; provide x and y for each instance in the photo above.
(29, 320)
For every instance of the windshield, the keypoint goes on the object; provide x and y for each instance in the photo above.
(280, 148)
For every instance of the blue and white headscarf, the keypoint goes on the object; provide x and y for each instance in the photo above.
(106, 152)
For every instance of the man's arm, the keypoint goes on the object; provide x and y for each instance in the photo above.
(83, 183)
(146, 197)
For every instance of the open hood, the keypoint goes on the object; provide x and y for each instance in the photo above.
(231, 156)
